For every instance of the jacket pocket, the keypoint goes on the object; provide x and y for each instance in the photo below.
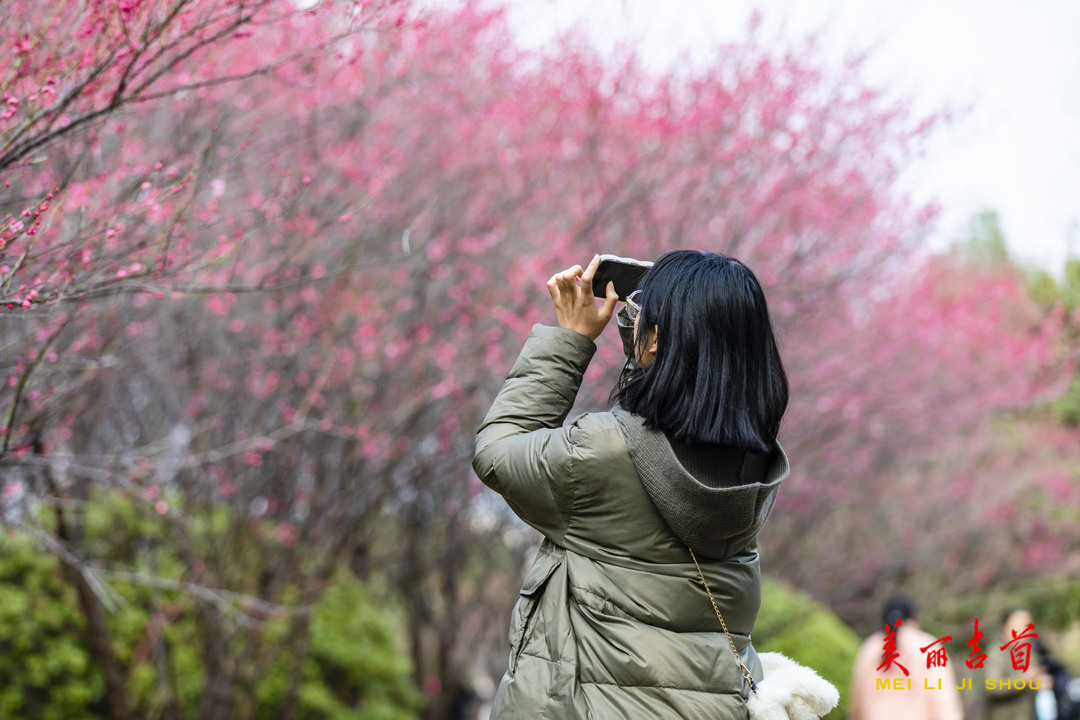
(528, 613)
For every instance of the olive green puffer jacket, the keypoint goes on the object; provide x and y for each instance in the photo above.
(613, 620)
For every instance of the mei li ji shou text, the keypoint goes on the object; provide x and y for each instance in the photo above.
(934, 655)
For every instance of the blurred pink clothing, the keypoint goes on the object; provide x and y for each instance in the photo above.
(923, 701)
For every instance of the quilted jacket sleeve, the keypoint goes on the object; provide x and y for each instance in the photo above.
(523, 452)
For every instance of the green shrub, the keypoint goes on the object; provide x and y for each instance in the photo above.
(353, 668)
(46, 669)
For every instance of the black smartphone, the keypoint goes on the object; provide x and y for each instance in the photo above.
(626, 273)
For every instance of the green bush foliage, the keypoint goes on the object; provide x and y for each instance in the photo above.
(793, 623)
(353, 667)
(46, 671)
(353, 670)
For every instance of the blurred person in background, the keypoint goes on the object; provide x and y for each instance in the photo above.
(1004, 701)
(1064, 687)
(614, 618)
(932, 694)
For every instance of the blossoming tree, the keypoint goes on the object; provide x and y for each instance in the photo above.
(265, 264)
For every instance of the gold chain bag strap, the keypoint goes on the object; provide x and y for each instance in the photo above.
(738, 658)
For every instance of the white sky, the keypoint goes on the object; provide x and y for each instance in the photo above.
(1015, 62)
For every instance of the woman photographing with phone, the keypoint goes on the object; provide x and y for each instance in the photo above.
(648, 511)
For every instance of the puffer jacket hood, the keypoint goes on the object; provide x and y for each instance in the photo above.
(714, 519)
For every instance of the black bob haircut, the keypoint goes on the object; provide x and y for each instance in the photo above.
(717, 377)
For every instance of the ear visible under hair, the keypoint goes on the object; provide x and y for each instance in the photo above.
(647, 348)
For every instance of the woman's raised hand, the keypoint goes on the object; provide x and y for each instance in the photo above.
(575, 305)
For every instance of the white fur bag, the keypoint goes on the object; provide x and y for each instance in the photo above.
(790, 691)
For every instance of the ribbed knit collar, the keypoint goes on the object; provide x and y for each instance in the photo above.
(716, 499)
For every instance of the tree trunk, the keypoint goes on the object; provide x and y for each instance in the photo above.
(97, 627)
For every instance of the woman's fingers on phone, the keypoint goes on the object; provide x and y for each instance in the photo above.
(575, 303)
(611, 299)
(568, 279)
(564, 274)
(553, 287)
(574, 281)
(587, 278)
(591, 270)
